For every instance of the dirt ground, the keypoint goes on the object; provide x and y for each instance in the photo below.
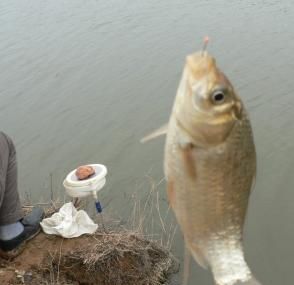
(112, 258)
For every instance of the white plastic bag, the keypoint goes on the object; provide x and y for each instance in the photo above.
(69, 222)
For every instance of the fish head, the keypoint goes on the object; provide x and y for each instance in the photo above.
(206, 105)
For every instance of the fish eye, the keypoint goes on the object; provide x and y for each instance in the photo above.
(218, 97)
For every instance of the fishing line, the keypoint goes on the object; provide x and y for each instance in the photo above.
(205, 43)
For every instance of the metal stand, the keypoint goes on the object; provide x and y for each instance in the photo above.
(99, 209)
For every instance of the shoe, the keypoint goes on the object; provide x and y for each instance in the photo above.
(13, 247)
(34, 217)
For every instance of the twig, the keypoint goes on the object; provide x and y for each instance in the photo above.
(59, 259)
(158, 210)
(51, 186)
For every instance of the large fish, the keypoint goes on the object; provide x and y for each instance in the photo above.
(209, 165)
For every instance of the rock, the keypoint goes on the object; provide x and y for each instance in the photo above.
(84, 172)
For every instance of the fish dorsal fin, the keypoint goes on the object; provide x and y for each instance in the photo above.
(158, 132)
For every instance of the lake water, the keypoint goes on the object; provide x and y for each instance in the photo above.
(82, 81)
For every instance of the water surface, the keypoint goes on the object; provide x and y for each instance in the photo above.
(83, 81)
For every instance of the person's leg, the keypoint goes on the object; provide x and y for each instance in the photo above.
(15, 230)
(10, 206)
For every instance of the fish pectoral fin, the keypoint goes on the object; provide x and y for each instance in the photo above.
(158, 132)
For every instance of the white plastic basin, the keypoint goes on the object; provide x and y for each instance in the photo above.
(81, 188)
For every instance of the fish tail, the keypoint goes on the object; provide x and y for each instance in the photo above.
(251, 281)
(230, 268)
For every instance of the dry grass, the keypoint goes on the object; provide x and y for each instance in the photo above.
(121, 258)
(150, 220)
(125, 255)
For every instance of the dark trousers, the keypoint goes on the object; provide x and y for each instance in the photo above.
(10, 206)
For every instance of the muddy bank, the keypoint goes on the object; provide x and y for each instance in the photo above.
(118, 257)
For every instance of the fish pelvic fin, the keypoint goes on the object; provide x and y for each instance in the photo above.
(197, 255)
(157, 133)
(187, 262)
